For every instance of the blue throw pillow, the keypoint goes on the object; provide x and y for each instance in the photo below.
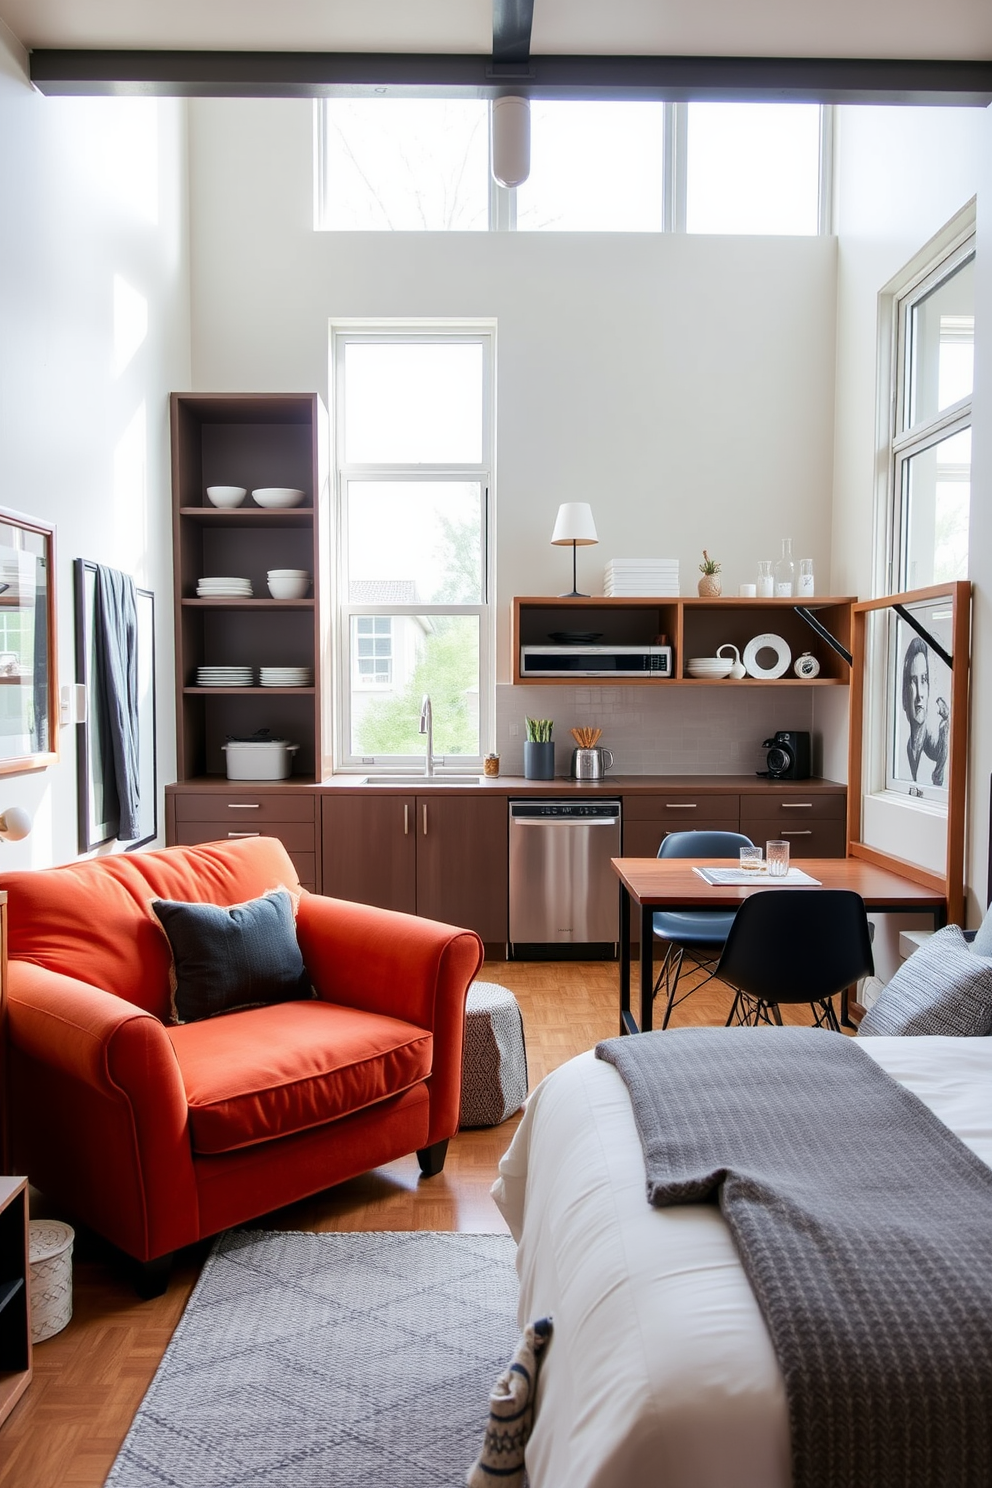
(224, 959)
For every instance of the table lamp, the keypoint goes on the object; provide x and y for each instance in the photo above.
(574, 525)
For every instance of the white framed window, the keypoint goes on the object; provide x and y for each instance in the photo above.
(926, 356)
(413, 441)
(422, 165)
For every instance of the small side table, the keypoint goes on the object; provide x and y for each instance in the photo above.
(15, 1303)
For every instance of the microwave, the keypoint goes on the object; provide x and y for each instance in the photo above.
(595, 661)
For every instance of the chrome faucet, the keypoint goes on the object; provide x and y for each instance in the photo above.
(427, 727)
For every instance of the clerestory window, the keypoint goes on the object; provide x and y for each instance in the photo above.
(422, 165)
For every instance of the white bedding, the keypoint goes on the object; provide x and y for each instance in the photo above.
(660, 1373)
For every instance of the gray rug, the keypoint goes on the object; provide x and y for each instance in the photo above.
(329, 1361)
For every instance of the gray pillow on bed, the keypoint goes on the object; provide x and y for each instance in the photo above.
(943, 988)
(982, 943)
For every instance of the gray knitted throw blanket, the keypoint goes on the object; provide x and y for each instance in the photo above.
(864, 1226)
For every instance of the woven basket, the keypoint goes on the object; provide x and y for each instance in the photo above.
(51, 1277)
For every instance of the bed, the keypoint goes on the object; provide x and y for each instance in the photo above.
(661, 1373)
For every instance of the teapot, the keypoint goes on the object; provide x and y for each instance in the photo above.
(738, 670)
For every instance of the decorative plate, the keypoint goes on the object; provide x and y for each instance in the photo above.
(767, 642)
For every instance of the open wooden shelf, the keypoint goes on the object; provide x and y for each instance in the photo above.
(694, 627)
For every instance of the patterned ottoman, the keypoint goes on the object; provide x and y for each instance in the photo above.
(494, 1060)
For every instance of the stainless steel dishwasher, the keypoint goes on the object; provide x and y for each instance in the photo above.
(563, 891)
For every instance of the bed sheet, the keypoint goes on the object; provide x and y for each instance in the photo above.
(661, 1373)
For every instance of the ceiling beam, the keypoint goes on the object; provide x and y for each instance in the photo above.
(357, 74)
(513, 21)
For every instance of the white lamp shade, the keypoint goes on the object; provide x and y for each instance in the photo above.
(511, 140)
(575, 524)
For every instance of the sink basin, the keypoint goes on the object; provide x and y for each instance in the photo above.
(446, 779)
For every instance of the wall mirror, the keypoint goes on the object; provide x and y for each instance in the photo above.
(28, 682)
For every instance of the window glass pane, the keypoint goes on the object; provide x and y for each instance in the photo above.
(942, 346)
(436, 654)
(406, 164)
(936, 485)
(415, 542)
(753, 167)
(595, 167)
(413, 403)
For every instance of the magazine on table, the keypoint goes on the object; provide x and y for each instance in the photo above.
(739, 876)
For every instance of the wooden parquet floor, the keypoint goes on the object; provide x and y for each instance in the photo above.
(90, 1379)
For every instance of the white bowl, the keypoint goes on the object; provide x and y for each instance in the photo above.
(226, 495)
(710, 673)
(296, 587)
(278, 496)
(288, 573)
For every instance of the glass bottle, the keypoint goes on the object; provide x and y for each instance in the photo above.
(805, 586)
(785, 572)
(766, 579)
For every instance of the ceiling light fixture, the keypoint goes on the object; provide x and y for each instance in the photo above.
(511, 140)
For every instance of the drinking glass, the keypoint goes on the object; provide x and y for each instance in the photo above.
(751, 858)
(777, 855)
(766, 579)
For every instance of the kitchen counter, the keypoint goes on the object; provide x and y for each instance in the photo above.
(610, 785)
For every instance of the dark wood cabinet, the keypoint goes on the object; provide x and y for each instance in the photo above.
(811, 819)
(462, 862)
(369, 850)
(252, 440)
(214, 812)
(443, 856)
(814, 825)
(15, 1312)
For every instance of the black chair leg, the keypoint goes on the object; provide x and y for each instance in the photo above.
(431, 1159)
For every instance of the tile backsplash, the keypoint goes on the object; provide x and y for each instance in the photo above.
(668, 731)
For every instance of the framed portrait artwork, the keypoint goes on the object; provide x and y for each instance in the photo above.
(919, 697)
(908, 759)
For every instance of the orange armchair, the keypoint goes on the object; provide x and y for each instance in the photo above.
(156, 1134)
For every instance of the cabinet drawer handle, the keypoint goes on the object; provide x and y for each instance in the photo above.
(244, 834)
(406, 821)
(808, 833)
(681, 806)
(796, 805)
(244, 806)
(425, 820)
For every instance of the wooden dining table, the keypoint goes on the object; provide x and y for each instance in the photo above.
(672, 884)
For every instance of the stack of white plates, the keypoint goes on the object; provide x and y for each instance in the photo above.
(224, 676)
(299, 676)
(642, 576)
(224, 588)
(712, 668)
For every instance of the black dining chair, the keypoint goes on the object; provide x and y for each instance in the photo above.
(795, 945)
(701, 932)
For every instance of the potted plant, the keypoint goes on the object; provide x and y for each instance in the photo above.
(709, 584)
(539, 750)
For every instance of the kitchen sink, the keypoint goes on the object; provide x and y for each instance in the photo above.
(421, 779)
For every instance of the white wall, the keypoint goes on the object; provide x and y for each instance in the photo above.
(683, 386)
(94, 306)
(902, 174)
